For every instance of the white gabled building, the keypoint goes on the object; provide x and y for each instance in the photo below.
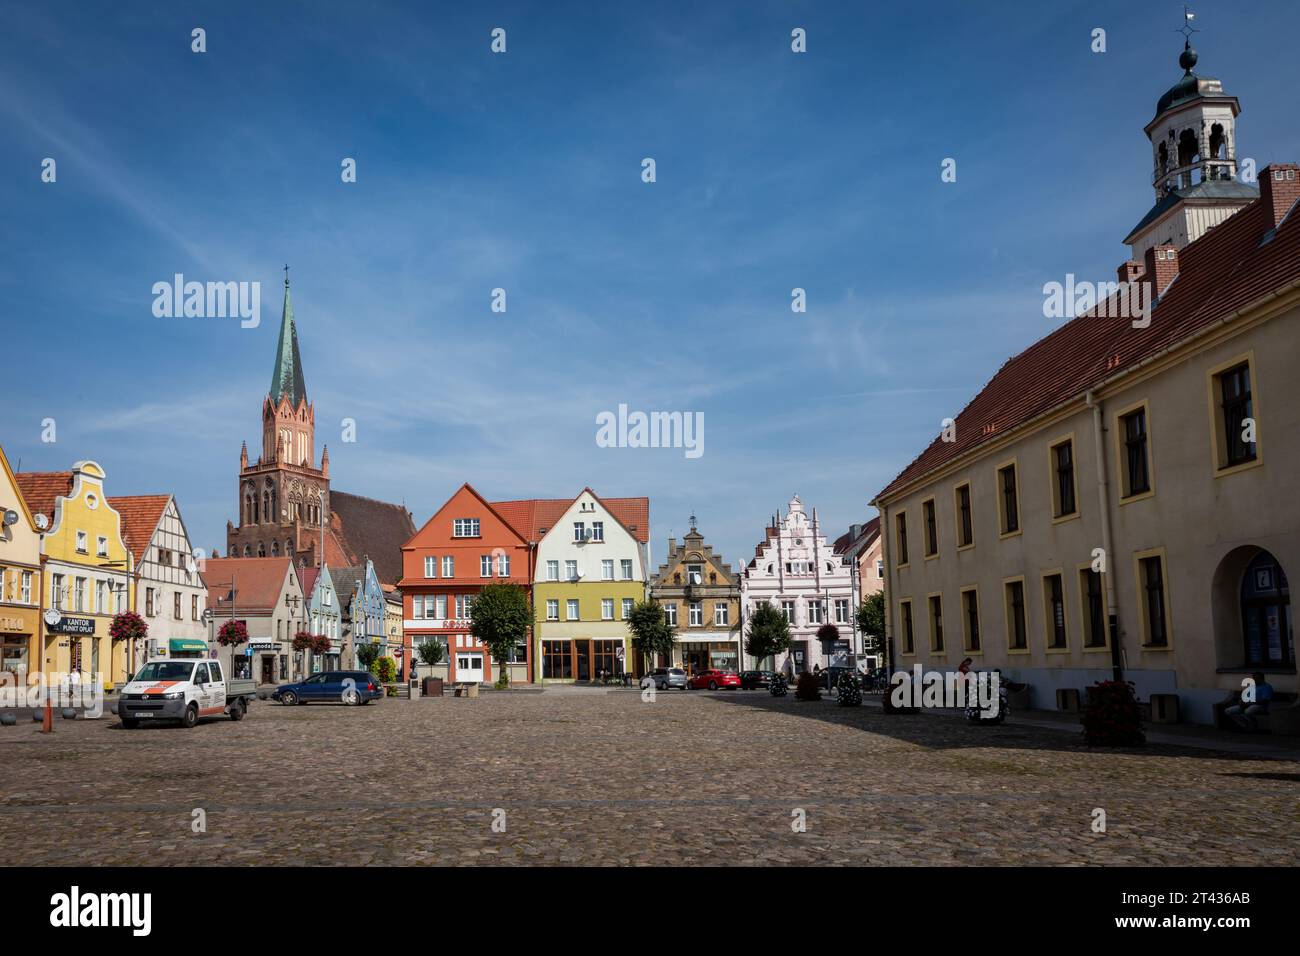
(170, 593)
(800, 573)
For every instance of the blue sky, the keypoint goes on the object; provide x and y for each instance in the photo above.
(522, 171)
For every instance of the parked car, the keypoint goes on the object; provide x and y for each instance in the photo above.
(713, 680)
(665, 678)
(183, 690)
(350, 687)
(754, 680)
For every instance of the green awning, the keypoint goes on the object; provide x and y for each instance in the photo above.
(187, 645)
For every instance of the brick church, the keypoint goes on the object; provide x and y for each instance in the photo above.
(286, 505)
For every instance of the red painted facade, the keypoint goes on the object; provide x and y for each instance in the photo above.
(465, 531)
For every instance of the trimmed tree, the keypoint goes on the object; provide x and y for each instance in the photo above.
(430, 652)
(871, 621)
(499, 620)
(768, 633)
(367, 654)
(651, 633)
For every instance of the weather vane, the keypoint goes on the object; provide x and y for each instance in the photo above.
(1187, 29)
(286, 275)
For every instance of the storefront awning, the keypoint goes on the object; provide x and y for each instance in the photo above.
(187, 645)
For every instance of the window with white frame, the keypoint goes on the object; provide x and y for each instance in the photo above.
(787, 608)
(607, 609)
(553, 609)
(571, 570)
(81, 542)
(814, 612)
(465, 528)
(439, 607)
(101, 546)
(598, 531)
(721, 614)
(571, 610)
(503, 565)
(431, 566)
(841, 610)
(670, 614)
(625, 567)
(27, 587)
(697, 614)
(57, 592)
(627, 608)
(607, 569)
(448, 566)
(552, 570)
(79, 595)
(485, 566)
(579, 531)
(101, 597)
(880, 569)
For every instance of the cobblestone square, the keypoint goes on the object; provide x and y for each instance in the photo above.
(589, 776)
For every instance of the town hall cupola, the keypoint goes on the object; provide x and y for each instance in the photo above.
(1194, 160)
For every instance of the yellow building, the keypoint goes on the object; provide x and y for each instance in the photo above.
(20, 580)
(88, 572)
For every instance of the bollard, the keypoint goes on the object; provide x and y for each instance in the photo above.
(8, 720)
(69, 713)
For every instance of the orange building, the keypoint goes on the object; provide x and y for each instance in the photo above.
(465, 545)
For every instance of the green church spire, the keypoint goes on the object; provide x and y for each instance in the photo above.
(286, 377)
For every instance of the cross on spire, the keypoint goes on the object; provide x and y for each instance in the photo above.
(286, 275)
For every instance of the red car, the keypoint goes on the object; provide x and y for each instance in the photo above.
(713, 680)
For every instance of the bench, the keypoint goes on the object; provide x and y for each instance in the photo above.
(1282, 719)
(469, 689)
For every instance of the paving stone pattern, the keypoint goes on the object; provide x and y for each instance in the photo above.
(601, 777)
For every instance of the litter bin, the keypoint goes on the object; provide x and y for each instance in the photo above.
(433, 687)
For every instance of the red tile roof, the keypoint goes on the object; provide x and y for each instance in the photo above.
(40, 488)
(140, 517)
(307, 579)
(257, 582)
(1220, 273)
(533, 517)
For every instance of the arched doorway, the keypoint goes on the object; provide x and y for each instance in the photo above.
(1252, 612)
(1266, 614)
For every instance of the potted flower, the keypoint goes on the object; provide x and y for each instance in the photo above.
(128, 626)
(232, 634)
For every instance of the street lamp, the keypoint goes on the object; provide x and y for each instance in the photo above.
(291, 601)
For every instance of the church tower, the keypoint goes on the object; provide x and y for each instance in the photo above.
(282, 496)
(1194, 160)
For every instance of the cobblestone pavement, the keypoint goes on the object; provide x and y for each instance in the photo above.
(600, 777)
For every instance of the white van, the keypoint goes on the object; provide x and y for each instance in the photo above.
(184, 691)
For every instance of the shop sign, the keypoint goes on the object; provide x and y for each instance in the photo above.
(13, 624)
(74, 625)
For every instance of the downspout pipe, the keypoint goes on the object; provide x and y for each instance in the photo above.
(1103, 499)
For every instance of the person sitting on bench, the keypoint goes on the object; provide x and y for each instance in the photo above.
(1244, 712)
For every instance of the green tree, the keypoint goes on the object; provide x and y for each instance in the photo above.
(367, 654)
(769, 633)
(499, 619)
(651, 633)
(386, 670)
(430, 652)
(871, 621)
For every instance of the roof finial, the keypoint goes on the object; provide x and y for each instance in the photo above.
(286, 275)
(692, 520)
(1187, 59)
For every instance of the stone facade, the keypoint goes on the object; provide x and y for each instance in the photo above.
(700, 594)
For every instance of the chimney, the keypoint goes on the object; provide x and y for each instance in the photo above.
(1160, 267)
(1279, 188)
(1129, 271)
